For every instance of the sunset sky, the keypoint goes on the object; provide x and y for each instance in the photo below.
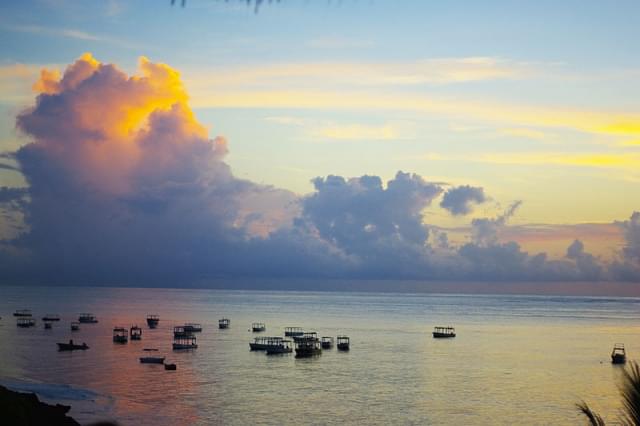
(520, 121)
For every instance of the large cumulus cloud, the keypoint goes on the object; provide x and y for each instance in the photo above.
(125, 186)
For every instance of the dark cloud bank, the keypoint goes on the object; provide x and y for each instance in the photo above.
(126, 188)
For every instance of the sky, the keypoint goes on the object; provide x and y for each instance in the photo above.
(458, 140)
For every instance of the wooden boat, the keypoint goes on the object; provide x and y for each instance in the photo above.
(51, 317)
(307, 347)
(192, 327)
(171, 367)
(327, 342)
(444, 332)
(22, 313)
(343, 343)
(152, 360)
(150, 350)
(262, 343)
(26, 322)
(87, 318)
(283, 346)
(120, 335)
(72, 346)
(153, 320)
(179, 331)
(306, 335)
(618, 354)
(48, 325)
(258, 327)
(293, 331)
(184, 342)
(75, 326)
(224, 323)
(135, 333)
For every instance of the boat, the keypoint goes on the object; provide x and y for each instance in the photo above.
(307, 347)
(283, 346)
(135, 333)
(120, 335)
(51, 317)
(261, 343)
(192, 327)
(150, 350)
(258, 327)
(152, 360)
(306, 335)
(343, 343)
(153, 320)
(75, 326)
(171, 367)
(179, 331)
(87, 318)
(72, 346)
(224, 323)
(22, 313)
(618, 354)
(444, 332)
(26, 322)
(326, 342)
(293, 331)
(48, 325)
(184, 342)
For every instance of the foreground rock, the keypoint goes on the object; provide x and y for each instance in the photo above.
(20, 409)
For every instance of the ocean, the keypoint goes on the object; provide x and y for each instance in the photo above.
(515, 360)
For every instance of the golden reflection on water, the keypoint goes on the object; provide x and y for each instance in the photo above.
(515, 360)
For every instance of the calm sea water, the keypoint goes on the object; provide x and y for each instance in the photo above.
(516, 360)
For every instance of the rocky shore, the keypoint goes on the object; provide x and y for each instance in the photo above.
(18, 409)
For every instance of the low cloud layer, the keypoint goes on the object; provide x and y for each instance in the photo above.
(126, 187)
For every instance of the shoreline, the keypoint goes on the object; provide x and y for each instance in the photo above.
(25, 408)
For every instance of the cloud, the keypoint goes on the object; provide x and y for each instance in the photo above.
(125, 186)
(485, 230)
(70, 33)
(357, 132)
(458, 200)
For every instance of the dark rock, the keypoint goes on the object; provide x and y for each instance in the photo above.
(25, 409)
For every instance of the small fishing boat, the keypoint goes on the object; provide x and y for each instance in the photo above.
(618, 355)
(153, 320)
(152, 360)
(48, 325)
(444, 332)
(307, 347)
(87, 318)
(327, 342)
(258, 327)
(171, 367)
(179, 331)
(75, 326)
(22, 313)
(135, 333)
(184, 342)
(343, 343)
(262, 343)
(293, 331)
(51, 317)
(72, 346)
(120, 335)
(224, 323)
(150, 350)
(26, 322)
(192, 327)
(283, 346)
(306, 335)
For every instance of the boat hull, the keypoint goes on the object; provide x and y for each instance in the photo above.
(437, 335)
(152, 360)
(618, 359)
(182, 347)
(72, 347)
